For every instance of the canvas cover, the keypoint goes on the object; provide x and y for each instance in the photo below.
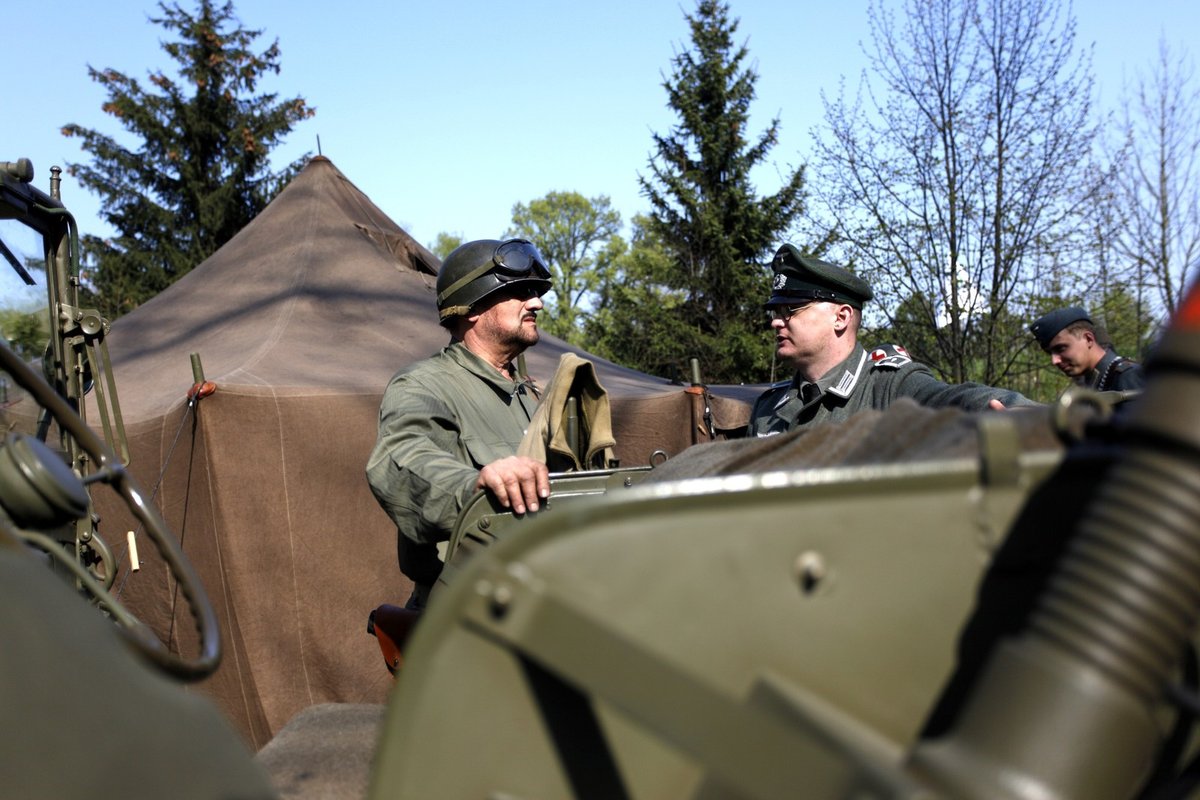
(300, 320)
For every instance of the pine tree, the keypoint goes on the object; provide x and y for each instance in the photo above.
(706, 214)
(637, 319)
(201, 169)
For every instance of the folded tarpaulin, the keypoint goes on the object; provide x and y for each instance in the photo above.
(572, 427)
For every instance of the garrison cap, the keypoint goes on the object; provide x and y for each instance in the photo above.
(1045, 328)
(799, 277)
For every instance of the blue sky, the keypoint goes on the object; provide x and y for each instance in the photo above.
(447, 114)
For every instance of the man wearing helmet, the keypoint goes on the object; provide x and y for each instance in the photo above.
(450, 425)
(815, 310)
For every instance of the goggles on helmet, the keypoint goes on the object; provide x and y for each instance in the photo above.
(520, 259)
(514, 259)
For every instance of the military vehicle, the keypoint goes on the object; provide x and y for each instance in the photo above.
(912, 604)
(91, 698)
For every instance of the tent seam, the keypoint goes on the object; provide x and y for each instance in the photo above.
(215, 516)
(287, 506)
(293, 296)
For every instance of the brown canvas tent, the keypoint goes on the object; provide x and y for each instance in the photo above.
(300, 321)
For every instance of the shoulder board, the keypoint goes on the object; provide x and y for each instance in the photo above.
(891, 356)
(1122, 364)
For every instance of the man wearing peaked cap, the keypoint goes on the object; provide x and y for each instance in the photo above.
(1082, 350)
(800, 277)
(816, 311)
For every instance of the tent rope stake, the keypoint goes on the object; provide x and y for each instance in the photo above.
(201, 388)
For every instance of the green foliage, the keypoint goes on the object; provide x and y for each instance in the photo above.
(913, 325)
(1130, 326)
(200, 171)
(580, 238)
(707, 220)
(445, 243)
(26, 332)
(636, 319)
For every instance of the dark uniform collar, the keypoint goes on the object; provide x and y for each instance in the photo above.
(839, 381)
(1099, 376)
(842, 379)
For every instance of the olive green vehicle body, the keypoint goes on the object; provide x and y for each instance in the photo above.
(966, 626)
(90, 708)
(1002, 621)
(1018, 622)
(717, 625)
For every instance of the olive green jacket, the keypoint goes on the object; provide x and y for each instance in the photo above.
(441, 421)
(865, 380)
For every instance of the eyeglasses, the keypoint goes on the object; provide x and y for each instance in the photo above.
(519, 258)
(785, 313)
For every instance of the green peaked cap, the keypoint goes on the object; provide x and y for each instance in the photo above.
(799, 277)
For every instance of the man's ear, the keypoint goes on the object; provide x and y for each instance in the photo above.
(464, 323)
(1089, 337)
(843, 317)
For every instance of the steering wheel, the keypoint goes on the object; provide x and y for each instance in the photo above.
(31, 460)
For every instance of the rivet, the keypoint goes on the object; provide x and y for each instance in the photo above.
(811, 571)
(500, 601)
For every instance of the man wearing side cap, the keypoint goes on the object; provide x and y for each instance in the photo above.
(450, 425)
(1082, 350)
(816, 310)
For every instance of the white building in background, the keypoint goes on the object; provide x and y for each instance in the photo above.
(970, 298)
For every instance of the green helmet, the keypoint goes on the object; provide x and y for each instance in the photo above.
(477, 269)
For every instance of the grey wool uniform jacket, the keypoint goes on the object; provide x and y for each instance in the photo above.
(441, 421)
(866, 380)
